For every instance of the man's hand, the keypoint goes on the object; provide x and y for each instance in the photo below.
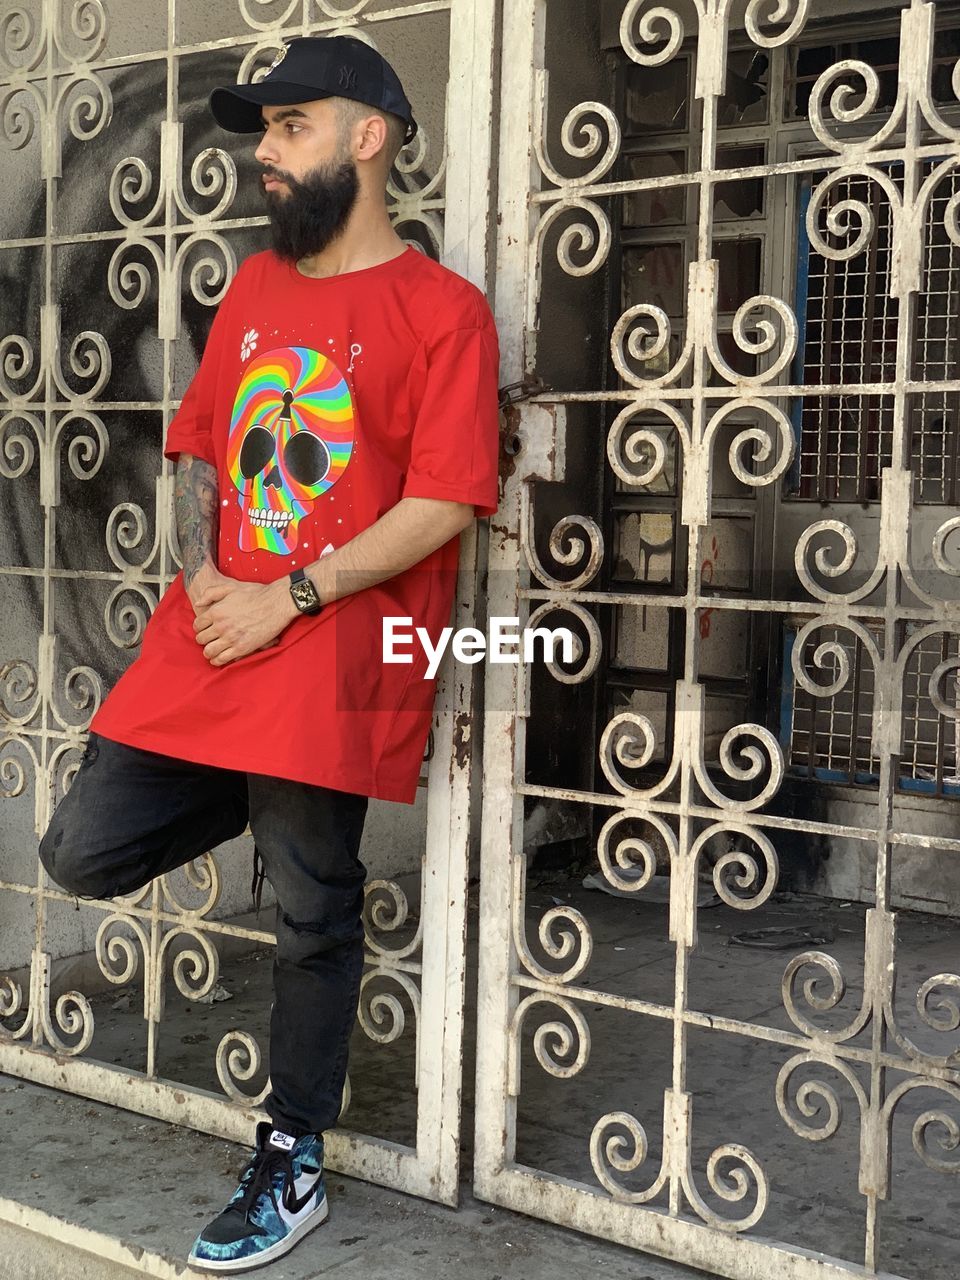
(237, 618)
(207, 576)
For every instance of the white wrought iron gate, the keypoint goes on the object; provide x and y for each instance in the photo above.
(122, 219)
(704, 401)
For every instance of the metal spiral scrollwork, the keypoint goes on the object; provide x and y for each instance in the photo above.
(127, 613)
(130, 184)
(418, 205)
(239, 1059)
(11, 1002)
(88, 104)
(562, 1048)
(88, 447)
(195, 970)
(619, 1145)
(854, 92)
(16, 361)
(760, 438)
(814, 1111)
(743, 881)
(62, 767)
(412, 159)
(20, 108)
(22, 41)
(213, 174)
(632, 863)
(589, 240)
(775, 12)
(381, 1013)
(13, 774)
(650, 25)
(210, 276)
(824, 967)
(83, 691)
(117, 954)
(129, 282)
(850, 220)
(829, 566)
(20, 696)
(89, 357)
(574, 540)
(744, 761)
(951, 214)
(73, 1016)
(633, 340)
(945, 1127)
(576, 124)
(948, 669)
(202, 874)
(566, 940)
(731, 1184)
(642, 445)
(946, 561)
(939, 1009)
(749, 319)
(127, 530)
(588, 658)
(630, 740)
(17, 448)
(830, 654)
(940, 1012)
(386, 911)
(88, 25)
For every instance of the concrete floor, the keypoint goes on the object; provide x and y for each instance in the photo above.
(154, 1185)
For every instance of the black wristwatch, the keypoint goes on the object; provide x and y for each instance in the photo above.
(304, 592)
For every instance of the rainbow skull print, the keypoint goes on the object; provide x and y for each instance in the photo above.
(291, 436)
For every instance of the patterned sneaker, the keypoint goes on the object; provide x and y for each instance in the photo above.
(280, 1198)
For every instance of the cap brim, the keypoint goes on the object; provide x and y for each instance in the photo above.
(237, 109)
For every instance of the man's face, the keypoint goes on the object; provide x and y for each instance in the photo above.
(298, 138)
(310, 180)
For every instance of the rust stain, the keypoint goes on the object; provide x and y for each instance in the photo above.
(505, 533)
(462, 725)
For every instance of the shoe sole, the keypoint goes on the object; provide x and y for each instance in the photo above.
(254, 1262)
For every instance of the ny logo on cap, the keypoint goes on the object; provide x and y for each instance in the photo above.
(278, 59)
(348, 77)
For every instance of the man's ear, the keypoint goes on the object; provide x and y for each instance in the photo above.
(373, 137)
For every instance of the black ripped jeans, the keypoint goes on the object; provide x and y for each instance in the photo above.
(132, 815)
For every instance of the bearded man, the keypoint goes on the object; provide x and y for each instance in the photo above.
(340, 433)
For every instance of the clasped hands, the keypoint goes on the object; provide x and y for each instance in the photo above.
(233, 619)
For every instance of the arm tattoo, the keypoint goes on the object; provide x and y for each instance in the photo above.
(195, 498)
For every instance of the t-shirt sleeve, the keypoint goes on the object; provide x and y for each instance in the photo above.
(190, 429)
(456, 437)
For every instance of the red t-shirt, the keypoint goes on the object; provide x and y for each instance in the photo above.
(322, 403)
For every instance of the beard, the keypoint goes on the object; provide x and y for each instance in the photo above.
(314, 211)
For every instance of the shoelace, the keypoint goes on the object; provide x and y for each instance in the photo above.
(262, 1167)
(256, 888)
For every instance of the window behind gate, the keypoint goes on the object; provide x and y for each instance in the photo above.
(848, 324)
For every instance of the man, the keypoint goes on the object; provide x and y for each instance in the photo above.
(339, 434)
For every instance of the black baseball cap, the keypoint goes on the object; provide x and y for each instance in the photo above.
(312, 67)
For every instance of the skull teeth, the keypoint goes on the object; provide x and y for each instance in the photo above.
(265, 519)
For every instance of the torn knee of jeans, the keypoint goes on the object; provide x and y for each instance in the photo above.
(322, 933)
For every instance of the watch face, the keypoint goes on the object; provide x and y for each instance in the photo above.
(304, 595)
